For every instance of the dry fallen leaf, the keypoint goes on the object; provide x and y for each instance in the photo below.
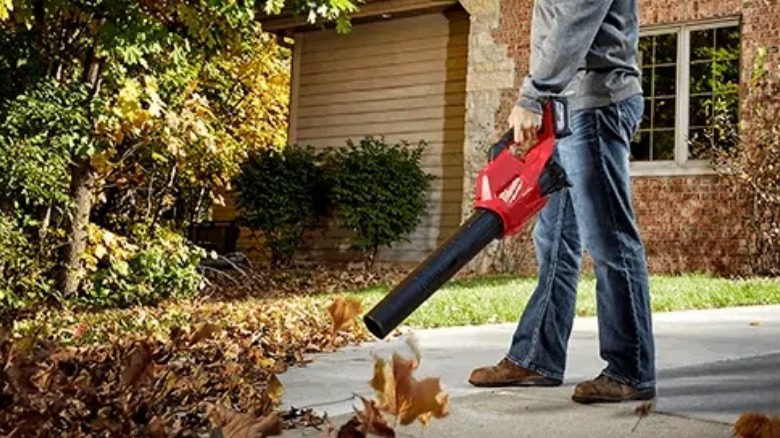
(176, 334)
(643, 411)
(5, 334)
(231, 424)
(757, 425)
(19, 375)
(755, 323)
(378, 379)
(308, 418)
(275, 388)
(400, 394)
(156, 428)
(351, 429)
(137, 365)
(343, 311)
(203, 332)
(428, 400)
(372, 421)
(396, 373)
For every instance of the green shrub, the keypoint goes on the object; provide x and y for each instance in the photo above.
(379, 191)
(23, 278)
(283, 194)
(123, 273)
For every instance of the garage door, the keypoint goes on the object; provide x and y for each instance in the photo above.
(404, 79)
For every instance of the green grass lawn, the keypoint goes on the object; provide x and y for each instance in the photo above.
(502, 299)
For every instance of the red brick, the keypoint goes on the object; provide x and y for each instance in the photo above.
(688, 223)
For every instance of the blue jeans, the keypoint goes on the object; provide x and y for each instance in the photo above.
(595, 214)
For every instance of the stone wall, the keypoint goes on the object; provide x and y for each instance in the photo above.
(491, 71)
(689, 224)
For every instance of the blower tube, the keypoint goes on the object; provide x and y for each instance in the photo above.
(477, 232)
(473, 236)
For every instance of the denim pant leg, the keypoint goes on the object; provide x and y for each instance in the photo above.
(540, 341)
(596, 161)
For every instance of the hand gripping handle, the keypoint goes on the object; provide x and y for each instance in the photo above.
(556, 112)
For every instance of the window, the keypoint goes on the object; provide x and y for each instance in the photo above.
(687, 71)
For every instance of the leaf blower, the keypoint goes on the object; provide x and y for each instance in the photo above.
(509, 191)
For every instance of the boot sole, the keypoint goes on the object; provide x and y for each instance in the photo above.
(528, 383)
(642, 395)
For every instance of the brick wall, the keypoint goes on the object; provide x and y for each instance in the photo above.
(689, 224)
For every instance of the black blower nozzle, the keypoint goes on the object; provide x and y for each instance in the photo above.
(477, 232)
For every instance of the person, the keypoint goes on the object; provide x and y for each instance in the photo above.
(585, 51)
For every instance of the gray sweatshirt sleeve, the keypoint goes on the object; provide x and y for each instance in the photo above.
(560, 54)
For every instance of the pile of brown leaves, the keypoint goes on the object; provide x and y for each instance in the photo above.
(136, 373)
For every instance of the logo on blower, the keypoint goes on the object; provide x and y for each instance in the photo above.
(512, 191)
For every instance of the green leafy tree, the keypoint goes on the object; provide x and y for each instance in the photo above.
(142, 88)
(240, 100)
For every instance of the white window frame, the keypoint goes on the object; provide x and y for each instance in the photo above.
(681, 165)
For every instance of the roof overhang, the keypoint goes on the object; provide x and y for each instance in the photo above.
(287, 23)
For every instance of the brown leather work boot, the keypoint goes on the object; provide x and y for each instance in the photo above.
(605, 389)
(508, 374)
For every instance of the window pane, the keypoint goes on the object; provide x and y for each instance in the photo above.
(663, 145)
(701, 74)
(647, 75)
(727, 39)
(702, 42)
(699, 143)
(700, 111)
(716, 81)
(666, 48)
(645, 51)
(640, 146)
(646, 114)
(726, 105)
(663, 113)
(665, 79)
(726, 75)
(699, 135)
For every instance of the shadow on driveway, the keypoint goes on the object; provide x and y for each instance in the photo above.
(721, 391)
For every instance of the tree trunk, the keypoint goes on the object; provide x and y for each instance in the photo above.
(82, 182)
(81, 188)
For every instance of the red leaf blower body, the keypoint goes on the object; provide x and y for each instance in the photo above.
(509, 191)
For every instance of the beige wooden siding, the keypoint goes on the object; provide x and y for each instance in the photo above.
(401, 78)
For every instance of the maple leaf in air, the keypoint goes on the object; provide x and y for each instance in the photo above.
(401, 394)
(343, 311)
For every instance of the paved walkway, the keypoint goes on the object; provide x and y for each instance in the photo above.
(713, 365)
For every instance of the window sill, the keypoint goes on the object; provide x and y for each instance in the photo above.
(671, 168)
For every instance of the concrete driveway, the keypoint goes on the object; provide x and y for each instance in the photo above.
(713, 365)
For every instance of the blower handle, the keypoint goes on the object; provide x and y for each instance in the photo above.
(556, 116)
